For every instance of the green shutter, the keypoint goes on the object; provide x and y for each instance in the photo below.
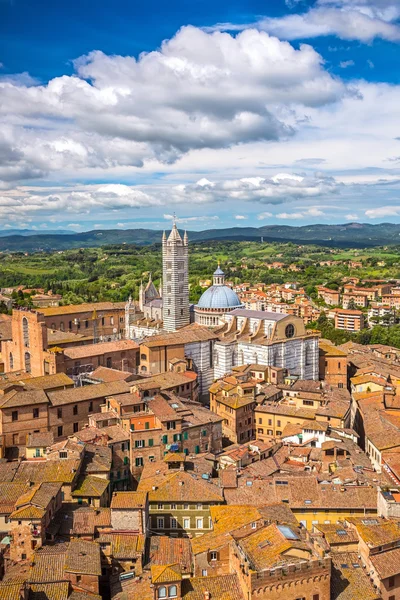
(125, 460)
(197, 449)
(185, 435)
(204, 432)
(150, 443)
(186, 451)
(132, 426)
(147, 425)
(165, 439)
(176, 438)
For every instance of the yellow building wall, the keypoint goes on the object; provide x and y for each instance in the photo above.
(310, 517)
(31, 453)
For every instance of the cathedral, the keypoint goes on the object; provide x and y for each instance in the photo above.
(239, 336)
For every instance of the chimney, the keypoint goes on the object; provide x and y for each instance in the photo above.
(207, 595)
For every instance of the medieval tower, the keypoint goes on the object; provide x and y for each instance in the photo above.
(175, 280)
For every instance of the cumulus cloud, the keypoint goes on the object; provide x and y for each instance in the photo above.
(362, 20)
(264, 215)
(383, 211)
(294, 215)
(345, 64)
(351, 217)
(240, 217)
(207, 90)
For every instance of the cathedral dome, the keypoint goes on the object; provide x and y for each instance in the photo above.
(219, 296)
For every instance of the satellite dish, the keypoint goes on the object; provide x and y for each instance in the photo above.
(115, 330)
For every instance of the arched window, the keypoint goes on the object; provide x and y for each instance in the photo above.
(172, 591)
(162, 592)
(62, 327)
(53, 326)
(27, 362)
(25, 331)
(11, 361)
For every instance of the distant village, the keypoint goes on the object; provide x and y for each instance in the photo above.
(153, 449)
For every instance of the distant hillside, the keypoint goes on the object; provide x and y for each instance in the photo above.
(350, 235)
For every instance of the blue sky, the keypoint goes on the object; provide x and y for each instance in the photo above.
(227, 113)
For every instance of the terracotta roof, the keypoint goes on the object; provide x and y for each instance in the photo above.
(267, 547)
(63, 471)
(40, 440)
(9, 494)
(83, 557)
(331, 350)
(10, 591)
(377, 532)
(221, 587)
(84, 596)
(126, 545)
(77, 352)
(336, 534)
(49, 591)
(166, 551)
(106, 375)
(182, 486)
(164, 381)
(16, 398)
(387, 564)
(90, 486)
(47, 382)
(128, 500)
(87, 392)
(165, 573)
(185, 335)
(48, 564)
(81, 308)
(349, 581)
(229, 518)
(28, 512)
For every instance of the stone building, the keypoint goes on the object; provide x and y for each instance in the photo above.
(266, 338)
(332, 365)
(175, 280)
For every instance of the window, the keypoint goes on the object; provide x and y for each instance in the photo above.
(199, 522)
(171, 425)
(109, 362)
(289, 330)
(391, 582)
(27, 362)
(160, 522)
(315, 597)
(260, 421)
(162, 592)
(59, 413)
(278, 423)
(174, 523)
(35, 413)
(197, 449)
(204, 573)
(213, 555)
(76, 427)
(172, 591)
(23, 556)
(165, 439)
(90, 407)
(254, 525)
(139, 443)
(139, 462)
(173, 507)
(37, 452)
(147, 425)
(25, 332)
(63, 454)
(14, 415)
(186, 523)
(199, 507)
(151, 442)
(75, 409)
(185, 435)
(11, 361)
(340, 385)
(59, 431)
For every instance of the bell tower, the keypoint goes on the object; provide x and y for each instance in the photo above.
(175, 282)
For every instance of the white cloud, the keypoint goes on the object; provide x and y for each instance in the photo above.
(264, 215)
(286, 215)
(383, 211)
(362, 20)
(370, 64)
(189, 219)
(241, 217)
(344, 64)
(207, 90)
(352, 217)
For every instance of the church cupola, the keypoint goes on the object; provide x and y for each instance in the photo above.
(219, 276)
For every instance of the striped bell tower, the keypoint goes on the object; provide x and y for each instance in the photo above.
(175, 280)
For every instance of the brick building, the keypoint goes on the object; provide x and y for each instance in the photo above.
(332, 365)
(233, 399)
(349, 320)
